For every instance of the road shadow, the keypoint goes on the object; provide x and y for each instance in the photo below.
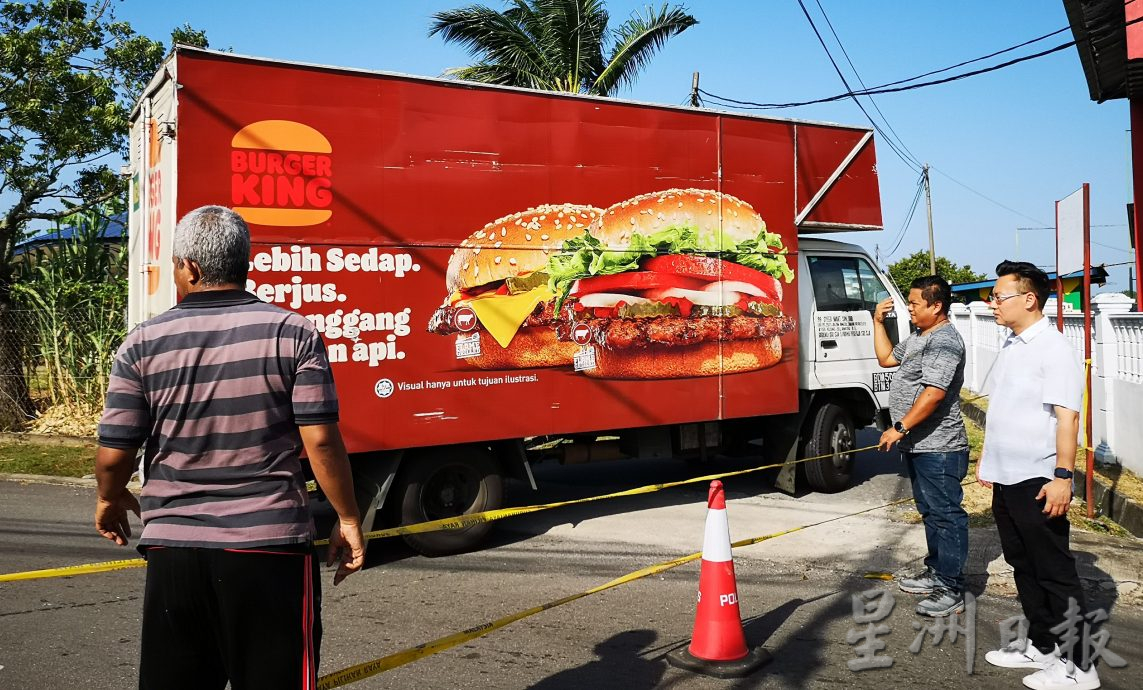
(571, 482)
(621, 662)
(558, 483)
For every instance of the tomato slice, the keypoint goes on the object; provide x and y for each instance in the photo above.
(635, 281)
(709, 269)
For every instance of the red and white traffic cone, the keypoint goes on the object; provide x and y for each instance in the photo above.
(718, 647)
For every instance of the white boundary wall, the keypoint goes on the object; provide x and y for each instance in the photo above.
(1117, 368)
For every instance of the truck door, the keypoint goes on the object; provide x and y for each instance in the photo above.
(846, 290)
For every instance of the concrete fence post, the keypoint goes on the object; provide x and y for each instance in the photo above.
(1105, 370)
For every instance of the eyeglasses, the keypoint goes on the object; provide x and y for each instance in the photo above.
(999, 299)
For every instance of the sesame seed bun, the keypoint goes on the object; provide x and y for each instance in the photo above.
(698, 208)
(705, 359)
(518, 243)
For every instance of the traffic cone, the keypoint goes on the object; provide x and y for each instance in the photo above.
(718, 647)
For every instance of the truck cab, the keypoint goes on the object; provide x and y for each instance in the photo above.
(842, 387)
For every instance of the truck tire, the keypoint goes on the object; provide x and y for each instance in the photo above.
(447, 482)
(830, 430)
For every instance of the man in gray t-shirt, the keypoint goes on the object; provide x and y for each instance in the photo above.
(924, 402)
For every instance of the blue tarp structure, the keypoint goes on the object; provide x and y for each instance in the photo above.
(116, 231)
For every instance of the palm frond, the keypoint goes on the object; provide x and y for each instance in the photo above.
(636, 42)
(493, 38)
(485, 73)
(574, 32)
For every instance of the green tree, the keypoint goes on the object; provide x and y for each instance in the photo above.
(69, 74)
(916, 265)
(558, 45)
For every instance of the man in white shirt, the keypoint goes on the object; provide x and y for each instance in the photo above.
(1035, 393)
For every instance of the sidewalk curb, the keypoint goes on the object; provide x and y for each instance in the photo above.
(46, 479)
(80, 482)
(1122, 510)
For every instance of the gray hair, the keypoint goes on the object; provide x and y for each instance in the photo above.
(218, 240)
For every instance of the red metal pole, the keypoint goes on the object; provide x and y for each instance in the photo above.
(1059, 280)
(1087, 349)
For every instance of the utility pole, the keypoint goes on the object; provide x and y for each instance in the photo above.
(929, 207)
(695, 102)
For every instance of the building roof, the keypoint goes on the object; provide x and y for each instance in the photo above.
(115, 231)
(1098, 277)
(1100, 31)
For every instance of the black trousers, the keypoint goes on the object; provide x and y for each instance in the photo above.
(1037, 548)
(250, 617)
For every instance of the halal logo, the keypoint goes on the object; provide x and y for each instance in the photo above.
(581, 334)
(383, 388)
(464, 319)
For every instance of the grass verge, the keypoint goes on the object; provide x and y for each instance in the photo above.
(978, 500)
(56, 461)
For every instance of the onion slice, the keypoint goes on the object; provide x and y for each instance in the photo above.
(610, 299)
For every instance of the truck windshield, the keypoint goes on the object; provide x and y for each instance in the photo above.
(848, 283)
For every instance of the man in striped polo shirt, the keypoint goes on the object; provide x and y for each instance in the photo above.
(222, 392)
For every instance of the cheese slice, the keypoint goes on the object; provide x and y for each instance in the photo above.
(502, 315)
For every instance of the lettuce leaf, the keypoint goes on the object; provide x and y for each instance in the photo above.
(586, 256)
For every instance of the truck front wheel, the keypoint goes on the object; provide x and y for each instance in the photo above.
(830, 431)
(447, 482)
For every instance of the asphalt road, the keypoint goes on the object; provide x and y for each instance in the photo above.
(796, 593)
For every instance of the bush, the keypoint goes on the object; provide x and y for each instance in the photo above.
(70, 299)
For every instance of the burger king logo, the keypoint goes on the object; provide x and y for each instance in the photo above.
(281, 174)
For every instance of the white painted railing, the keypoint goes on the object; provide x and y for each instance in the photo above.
(1117, 367)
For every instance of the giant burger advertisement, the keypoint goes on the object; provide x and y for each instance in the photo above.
(488, 264)
(669, 284)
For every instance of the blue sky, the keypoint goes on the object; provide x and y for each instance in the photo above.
(1024, 136)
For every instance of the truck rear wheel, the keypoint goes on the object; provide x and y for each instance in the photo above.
(831, 431)
(447, 482)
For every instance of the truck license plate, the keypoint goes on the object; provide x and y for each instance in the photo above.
(881, 381)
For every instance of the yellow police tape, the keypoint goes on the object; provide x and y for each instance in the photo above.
(69, 570)
(470, 519)
(459, 522)
(353, 674)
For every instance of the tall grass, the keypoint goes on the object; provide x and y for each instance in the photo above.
(74, 294)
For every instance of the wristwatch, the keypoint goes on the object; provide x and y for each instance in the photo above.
(900, 428)
(1062, 473)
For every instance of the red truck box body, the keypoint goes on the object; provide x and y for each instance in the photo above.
(329, 164)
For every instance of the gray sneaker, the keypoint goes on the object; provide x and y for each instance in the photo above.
(942, 602)
(922, 583)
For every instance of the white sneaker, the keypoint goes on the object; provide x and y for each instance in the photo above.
(1022, 654)
(1063, 675)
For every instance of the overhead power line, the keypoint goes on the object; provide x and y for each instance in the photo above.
(908, 217)
(903, 85)
(849, 89)
(916, 163)
(751, 105)
(986, 198)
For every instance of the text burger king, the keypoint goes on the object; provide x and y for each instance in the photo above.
(281, 174)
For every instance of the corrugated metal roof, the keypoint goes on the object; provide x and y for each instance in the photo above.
(1100, 31)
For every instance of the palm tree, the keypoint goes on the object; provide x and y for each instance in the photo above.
(558, 45)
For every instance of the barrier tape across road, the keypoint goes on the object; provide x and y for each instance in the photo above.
(459, 522)
(365, 670)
